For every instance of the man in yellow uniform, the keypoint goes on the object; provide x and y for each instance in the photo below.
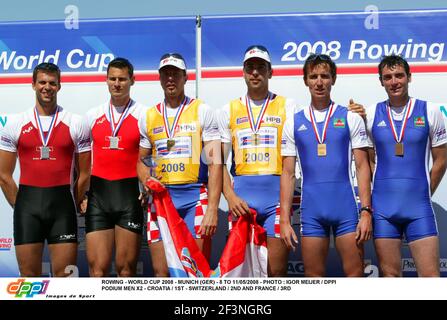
(251, 128)
(181, 133)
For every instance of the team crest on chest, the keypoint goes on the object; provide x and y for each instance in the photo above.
(419, 121)
(339, 122)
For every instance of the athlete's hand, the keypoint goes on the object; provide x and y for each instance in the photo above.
(209, 223)
(364, 228)
(237, 206)
(144, 198)
(288, 235)
(83, 206)
(357, 108)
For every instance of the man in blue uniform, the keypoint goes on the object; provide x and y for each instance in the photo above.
(324, 136)
(404, 131)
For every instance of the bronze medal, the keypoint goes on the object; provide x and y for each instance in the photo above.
(321, 150)
(399, 149)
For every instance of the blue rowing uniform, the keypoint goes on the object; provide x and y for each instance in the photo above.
(328, 198)
(401, 190)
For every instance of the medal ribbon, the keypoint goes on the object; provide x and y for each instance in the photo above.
(255, 126)
(328, 115)
(170, 131)
(404, 124)
(50, 129)
(114, 127)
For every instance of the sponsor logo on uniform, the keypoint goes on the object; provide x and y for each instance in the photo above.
(419, 121)
(157, 130)
(339, 122)
(363, 135)
(186, 127)
(133, 225)
(67, 236)
(27, 130)
(21, 288)
(85, 142)
(101, 120)
(302, 128)
(5, 139)
(5, 244)
(381, 124)
(440, 134)
(241, 120)
(272, 119)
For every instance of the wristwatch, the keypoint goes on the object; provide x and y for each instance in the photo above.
(367, 209)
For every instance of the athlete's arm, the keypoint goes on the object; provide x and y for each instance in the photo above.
(364, 227)
(7, 183)
(236, 205)
(437, 171)
(214, 160)
(142, 170)
(372, 159)
(287, 183)
(83, 168)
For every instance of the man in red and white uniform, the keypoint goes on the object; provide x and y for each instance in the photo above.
(50, 143)
(114, 214)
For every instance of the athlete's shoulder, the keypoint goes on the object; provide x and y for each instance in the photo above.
(97, 111)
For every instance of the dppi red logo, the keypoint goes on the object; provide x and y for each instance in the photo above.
(29, 289)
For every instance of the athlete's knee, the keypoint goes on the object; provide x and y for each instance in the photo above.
(277, 270)
(126, 270)
(30, 273)
(98, 273)
(390, 272)
(161, 272)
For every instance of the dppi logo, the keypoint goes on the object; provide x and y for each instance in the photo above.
(29, 289)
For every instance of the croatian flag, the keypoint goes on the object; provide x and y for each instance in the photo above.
(245, 254)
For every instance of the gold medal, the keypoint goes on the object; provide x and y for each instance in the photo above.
(399, 149)
(321, 149)
(170, 144)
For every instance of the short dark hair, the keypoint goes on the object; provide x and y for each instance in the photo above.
(316, 59)
(47, 67)
(121, 63)
(391, 61)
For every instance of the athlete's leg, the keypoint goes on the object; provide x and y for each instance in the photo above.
(389, 255)
(425, 253)
(62, 255)
(158, 258)
(99, 251)
(29, 258)
(127, 246)
(351, 254)
(278, 255)
(314, 251)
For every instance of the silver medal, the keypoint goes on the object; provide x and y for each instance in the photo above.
(44, 153)
(114, 142)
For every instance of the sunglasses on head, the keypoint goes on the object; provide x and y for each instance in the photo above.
(174, 55)
(318, 56)
(257, 46)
